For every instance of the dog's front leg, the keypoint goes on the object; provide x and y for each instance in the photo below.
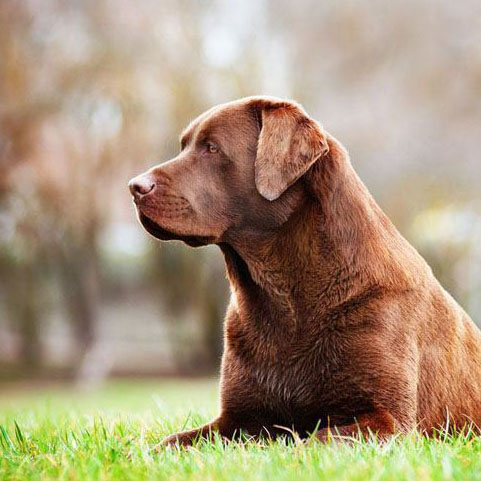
(226, 427)
(380, 424)
(187, 438)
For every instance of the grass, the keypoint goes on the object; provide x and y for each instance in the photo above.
(110, 433)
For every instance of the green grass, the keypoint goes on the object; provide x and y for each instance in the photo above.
(111, 433)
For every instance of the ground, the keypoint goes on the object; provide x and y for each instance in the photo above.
(112, 432)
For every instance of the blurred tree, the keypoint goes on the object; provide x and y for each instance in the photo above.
(94, 92)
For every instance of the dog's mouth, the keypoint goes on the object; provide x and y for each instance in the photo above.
(165, 235)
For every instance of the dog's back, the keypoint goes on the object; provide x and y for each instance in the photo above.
(449, 392)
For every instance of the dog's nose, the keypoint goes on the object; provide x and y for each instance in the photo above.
(141, 185)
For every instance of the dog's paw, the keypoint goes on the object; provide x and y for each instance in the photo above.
(185, 439)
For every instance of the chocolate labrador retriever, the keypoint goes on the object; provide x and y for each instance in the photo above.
(336, 325)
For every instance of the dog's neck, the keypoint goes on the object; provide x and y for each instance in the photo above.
(336, 247)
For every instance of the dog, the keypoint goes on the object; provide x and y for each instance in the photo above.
(336, 325)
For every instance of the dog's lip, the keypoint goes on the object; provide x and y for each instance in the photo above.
(161, 233)
(154, 229)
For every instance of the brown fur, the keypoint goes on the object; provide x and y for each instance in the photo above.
(335, 321)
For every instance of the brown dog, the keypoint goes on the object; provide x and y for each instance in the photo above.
(335, 321)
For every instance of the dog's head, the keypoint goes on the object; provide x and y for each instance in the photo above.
(237, 170)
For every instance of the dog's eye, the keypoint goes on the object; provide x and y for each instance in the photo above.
(212, 148)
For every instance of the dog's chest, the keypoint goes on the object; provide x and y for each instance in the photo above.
(285, 383)
(286, 376)
(278, 370)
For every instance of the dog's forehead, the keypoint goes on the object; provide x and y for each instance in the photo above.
(236, 106)
(221, 118)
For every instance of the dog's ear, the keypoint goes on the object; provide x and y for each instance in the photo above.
(289, 143)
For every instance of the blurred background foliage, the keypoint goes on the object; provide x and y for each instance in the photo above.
(92, 92)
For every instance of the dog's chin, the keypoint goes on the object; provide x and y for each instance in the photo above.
(162, 234)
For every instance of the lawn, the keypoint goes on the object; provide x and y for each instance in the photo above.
(111, 433)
